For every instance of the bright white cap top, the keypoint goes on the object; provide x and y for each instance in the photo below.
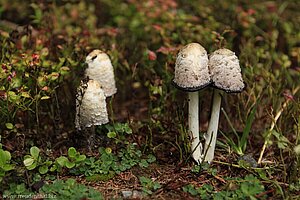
(191, 68)
(225, 71)
(90, 105)
(101, 70)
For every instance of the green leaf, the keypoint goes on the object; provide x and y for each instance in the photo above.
(53, 76)
(127, 129)
(16, 82)
(143, 163)
(43, 169)
(156, 186)
(34, 151)
(41, 81)
(70, 182)
(62, 161)
(4, 157)
(151, 158)
(32, 166)
(53, 168)
(28, 162)
(9, 126)
(25, 94)
(144, 180)
(297, 149)
(20, 189)
(118, 127)
(7, 167)
(190, 189)
(108, 150)
(70, 164)
(246, 131)
(80, 158)
(72, 152)
(100, 177)
(111, 134)
(45, 97)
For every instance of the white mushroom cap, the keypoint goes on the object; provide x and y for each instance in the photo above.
(191, 68)
(225, 71)
(101, 70)
(90, 105)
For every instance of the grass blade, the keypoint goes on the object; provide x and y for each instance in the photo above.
(246, 131)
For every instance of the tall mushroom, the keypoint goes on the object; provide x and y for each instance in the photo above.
(191, 75)
(101, 70)
(226, 75)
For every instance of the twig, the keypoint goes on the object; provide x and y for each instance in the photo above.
(238, 166)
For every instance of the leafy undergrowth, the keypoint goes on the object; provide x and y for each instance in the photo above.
(144, 151)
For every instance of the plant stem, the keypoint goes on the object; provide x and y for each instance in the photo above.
(211, 134)
(193, 121)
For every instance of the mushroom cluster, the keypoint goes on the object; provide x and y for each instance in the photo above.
(91, 94)
(195, 71)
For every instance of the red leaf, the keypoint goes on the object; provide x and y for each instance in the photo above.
(151, 55)
(165, 50)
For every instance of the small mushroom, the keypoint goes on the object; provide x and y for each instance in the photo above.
(90, 105)
(191, 75)
(226, 75)
(101, 70)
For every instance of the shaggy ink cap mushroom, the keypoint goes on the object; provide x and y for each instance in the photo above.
(226, 75)
(225, 71)
(100, 69)
(90, 105)
(191, 75)
(191, 68)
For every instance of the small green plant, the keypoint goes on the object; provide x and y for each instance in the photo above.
(204, 167)
(5, 164)
(149, 186)
(240, 146)
(16, 191)
(5, 159)
(237, 188)
(109, 164)
(34, 160)
(118, 131)
(27, 80)
(74, 159)
(205, 191)
(70, 189)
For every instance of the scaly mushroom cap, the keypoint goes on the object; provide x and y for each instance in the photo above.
(101, 70)
(225, 71)
(90, 105)
(191, 68)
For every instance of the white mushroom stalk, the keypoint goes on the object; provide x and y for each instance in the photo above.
(191, 75)
(90, 105)
(101, 70)
(226, 75)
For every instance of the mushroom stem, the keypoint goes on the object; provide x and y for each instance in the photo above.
(211, 134)
(111, 109)
(193, 121)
